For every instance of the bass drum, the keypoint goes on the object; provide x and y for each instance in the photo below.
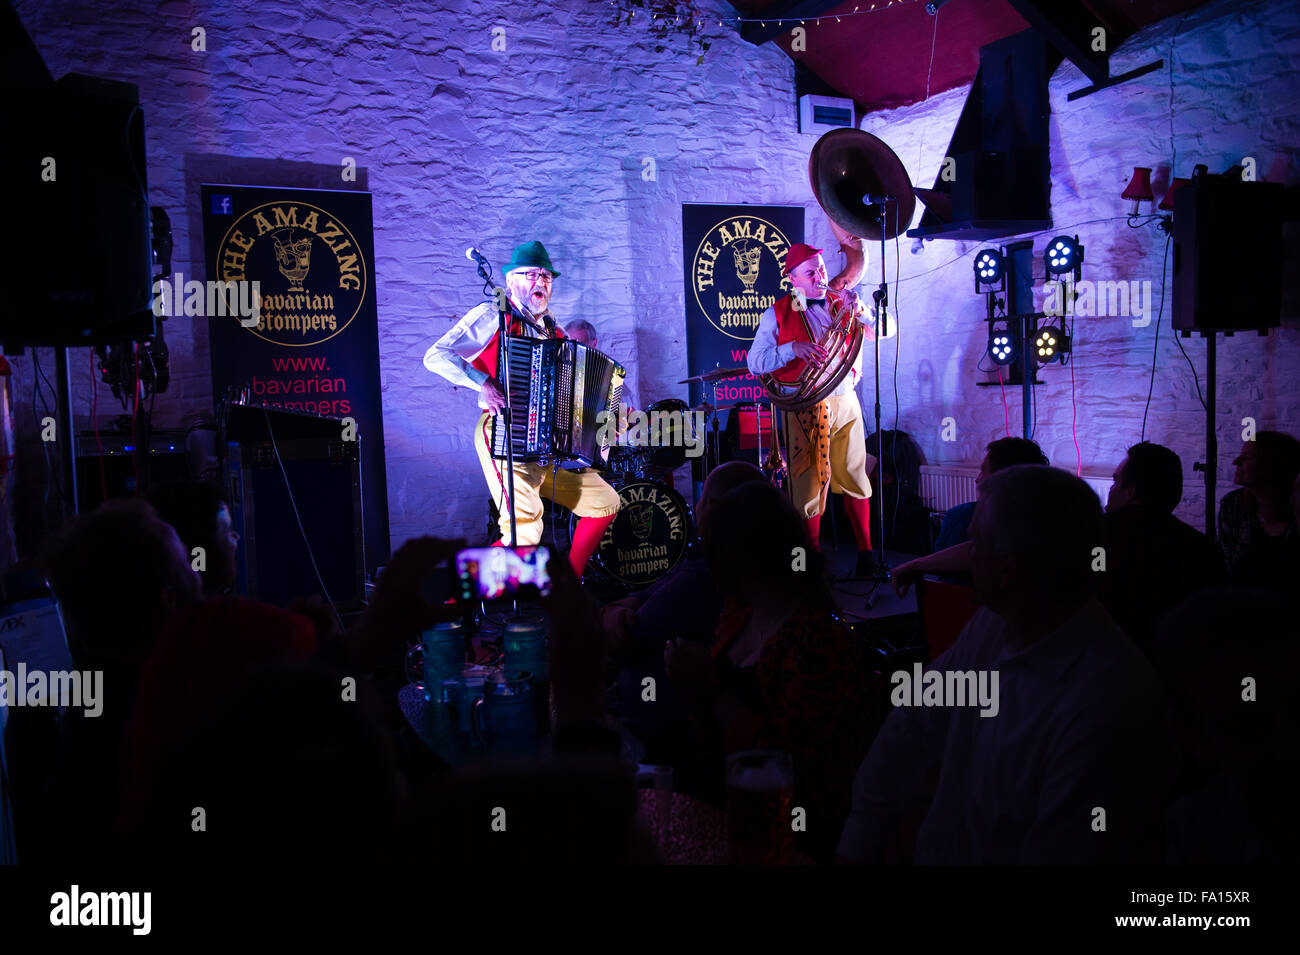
(647, 537)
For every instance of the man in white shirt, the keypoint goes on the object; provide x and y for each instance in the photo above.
(1073, 761)
(467, 355)
(827, 442)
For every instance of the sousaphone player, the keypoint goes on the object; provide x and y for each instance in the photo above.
(808, 349)
(826, 441)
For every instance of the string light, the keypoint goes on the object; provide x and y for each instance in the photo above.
(696, 20)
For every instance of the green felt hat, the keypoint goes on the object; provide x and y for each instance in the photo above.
(531, 255)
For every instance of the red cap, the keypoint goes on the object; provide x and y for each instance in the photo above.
(798, 254)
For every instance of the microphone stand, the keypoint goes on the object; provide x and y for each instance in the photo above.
(503, 355)
(881, 297)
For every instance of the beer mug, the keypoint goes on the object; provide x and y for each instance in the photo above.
(464, 694)
(439, 656)
(503, 719)
(523, 638)
(760, 794)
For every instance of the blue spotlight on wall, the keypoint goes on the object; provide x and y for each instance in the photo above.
(1002, 347)
(989, 268)
(1063, 254)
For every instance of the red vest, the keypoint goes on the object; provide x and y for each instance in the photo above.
(791, 326)
(486, 361)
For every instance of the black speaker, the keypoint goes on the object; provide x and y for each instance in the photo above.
(81, 252)
(1228, 255)
(999, 180)
(295, 469)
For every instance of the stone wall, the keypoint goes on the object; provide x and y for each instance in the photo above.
(461, 145)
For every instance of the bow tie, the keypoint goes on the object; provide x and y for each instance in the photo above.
(815, 301)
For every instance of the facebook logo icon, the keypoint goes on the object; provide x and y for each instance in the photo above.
(222, 205)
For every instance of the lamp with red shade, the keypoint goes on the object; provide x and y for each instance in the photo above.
(1139, 188)
(1167, 203)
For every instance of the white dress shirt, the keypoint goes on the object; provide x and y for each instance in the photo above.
(765, 355)
(1080, 727)
(452, 355)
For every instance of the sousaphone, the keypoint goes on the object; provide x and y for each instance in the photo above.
(845, 166)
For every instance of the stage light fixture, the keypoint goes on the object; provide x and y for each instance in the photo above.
(1002, 346)
(1063, 254)
(989, 268)
(1050, 344)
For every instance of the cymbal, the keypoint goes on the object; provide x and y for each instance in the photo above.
(717, 374)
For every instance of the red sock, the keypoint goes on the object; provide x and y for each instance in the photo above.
(814, 525)
(586, 538)
(859, 509)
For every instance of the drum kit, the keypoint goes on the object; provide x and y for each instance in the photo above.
(762, 418)
(655, 524)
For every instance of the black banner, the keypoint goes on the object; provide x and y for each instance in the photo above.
(313, 345)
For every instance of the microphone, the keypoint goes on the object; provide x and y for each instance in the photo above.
(476, 255)
(876, 200)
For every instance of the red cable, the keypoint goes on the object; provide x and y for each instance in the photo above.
(94, 420)
(1005, 410)
(505, 495)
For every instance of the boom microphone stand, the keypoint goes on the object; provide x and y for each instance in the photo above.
(503, 354)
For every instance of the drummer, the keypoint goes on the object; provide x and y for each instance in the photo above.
(584, 333)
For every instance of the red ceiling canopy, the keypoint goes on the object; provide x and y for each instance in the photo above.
(882, 58)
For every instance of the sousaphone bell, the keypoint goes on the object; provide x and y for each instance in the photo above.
(846, 168)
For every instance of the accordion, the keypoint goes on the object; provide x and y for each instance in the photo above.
(561, 393)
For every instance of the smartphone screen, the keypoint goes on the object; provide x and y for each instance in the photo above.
(489, 573)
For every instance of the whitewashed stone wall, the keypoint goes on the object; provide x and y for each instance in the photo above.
(1235, 71)
(461, 145)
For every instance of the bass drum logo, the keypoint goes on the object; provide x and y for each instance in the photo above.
(310, 269)
(736, 273)
(647, 537)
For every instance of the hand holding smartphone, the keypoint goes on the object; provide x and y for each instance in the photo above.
(493, 573)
